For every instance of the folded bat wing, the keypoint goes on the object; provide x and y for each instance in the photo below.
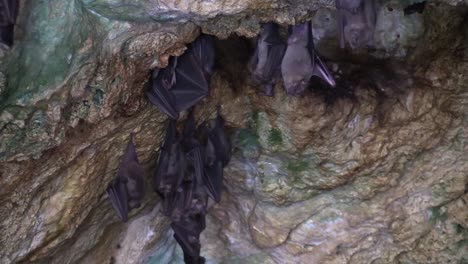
(191, 85)
(8, 14)
(220, 141)
(117, 193)
(213, 180)
(319, 68)
(135, 184)
(159, 93)
(195, 157)
(185, 81)
(187, 237)
(204, 51)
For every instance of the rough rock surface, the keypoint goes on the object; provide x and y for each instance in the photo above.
(380, 177)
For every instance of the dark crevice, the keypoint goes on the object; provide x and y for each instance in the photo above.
(232, 57)
(415, 8)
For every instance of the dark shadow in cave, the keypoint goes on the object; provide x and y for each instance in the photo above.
(232, 58)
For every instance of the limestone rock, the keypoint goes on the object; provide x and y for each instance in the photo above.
(379, 176)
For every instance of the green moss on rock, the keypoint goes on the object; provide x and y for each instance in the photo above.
(275, 137)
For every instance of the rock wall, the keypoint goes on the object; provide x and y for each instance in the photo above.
(375, 177)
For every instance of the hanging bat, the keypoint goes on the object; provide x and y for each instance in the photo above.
(171, 167)
(185, 81)
(8, 13)
(217, 153)
(215, 131)
(264, 64)
(301, 62)
(213, 179)
(356, 22)
(179, 202)
(187, 234)
(128, 189)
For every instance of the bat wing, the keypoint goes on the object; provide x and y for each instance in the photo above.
(275, 56)
(158, 91)
(272, 36)
(190, 127)
(166, 155)
(209, 153)
(135, 184)
(196, 159)
(161, 169)
(193, 73)
(176, 168)
(130, 152)
(117, 194)
(194, 259)
(220, 141)
(213, 180)
(187, 238)
(191, 85)
(319, 69)
(204, 51)
(8, 14)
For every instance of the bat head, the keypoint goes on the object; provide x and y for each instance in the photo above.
(357, 32)
(299, 34)
(296, 82)
(135, 183)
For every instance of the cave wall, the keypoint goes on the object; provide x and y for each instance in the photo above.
(373, 178)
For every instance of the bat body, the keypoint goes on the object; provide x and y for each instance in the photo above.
(301, 61)
(8, 13)
(128, 189)
(170, 170)
(185, 81)
(189, 170)
(269, 52)
(356, 22)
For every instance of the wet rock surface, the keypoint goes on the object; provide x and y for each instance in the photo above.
(377, 177)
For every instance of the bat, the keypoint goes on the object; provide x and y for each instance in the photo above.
(187, 234)
(301, 61)
(185, 81)
(215, 131)
(190, 170)
(171, 167)
(356, 22)
(264, 64)
(217, 153)
(8, 13)
(128, 189)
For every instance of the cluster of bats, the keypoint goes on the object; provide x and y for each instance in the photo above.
(8, 14)
(297, 60)
(189, 171)
(190, 166)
